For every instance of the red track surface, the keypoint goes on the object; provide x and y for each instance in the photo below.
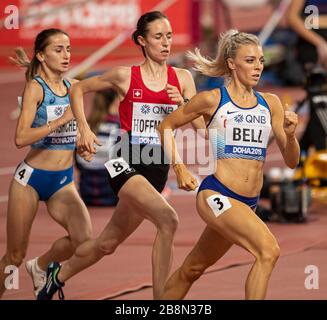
(127, 273)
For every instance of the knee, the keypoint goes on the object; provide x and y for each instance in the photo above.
(106, 247)
(269, 254)
(168, 222)
(81, 237)
(192, 272)
(16, 258)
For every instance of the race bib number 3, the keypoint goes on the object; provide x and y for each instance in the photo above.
(23, 173)
(116, 166)
(218, 204)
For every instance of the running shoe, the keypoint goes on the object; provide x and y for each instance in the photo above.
(52, 284)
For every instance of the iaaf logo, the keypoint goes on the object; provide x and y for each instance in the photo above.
(145, 109)
(58, 111)
(238, 118)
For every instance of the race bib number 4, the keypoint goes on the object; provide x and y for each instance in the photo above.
(116, 166)
(146, 118)
(23, 173)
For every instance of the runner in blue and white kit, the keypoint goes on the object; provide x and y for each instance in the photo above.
(239, 121)
(46, 174)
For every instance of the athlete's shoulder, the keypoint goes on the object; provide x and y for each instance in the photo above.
(72, 81)
(183, 73)
(273, 101)
(210, 98)
(271, 98)
(33, 86)
(119, 73)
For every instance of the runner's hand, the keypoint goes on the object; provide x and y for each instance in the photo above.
(290, 121)
(174, 94)
(87, 141)
(185, 180)
(87, 156)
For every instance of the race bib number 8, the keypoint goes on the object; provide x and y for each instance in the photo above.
(218, 204)
(116, 166)
(23, 173)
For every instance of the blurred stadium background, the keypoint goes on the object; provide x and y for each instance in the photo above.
(100, 36)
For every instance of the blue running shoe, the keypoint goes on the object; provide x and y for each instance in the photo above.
(52, 284)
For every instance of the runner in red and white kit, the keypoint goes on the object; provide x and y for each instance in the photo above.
(147, 93)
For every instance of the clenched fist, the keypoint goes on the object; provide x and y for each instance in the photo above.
(290, 121)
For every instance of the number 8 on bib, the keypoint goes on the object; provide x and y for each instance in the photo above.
(116, 166)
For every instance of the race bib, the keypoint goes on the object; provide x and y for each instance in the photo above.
(146, 118)
(116, 166)
(23, 173)
(66, 134)
(218, 204)
(246, 139)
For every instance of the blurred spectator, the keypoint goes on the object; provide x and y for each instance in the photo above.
(104, 121)
(309, 20)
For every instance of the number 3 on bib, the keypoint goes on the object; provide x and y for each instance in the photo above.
(218, 204)
(116, 166)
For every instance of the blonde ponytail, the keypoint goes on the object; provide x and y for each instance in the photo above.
(229, 43)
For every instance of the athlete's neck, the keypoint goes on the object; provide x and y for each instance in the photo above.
(240, 91)
(154, 70)
(51, 77)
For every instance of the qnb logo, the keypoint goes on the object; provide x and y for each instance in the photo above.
(163, 109)
(12, 280)
(12, 20)
(239, 118)
(250, 118)
(52, 100)
(145, 109)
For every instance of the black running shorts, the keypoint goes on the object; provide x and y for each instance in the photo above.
(120, 171)
(123, 166)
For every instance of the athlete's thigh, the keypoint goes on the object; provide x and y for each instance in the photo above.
(22, 208)
(238, 223)
(210, 247)
(68, 209)
(123, 222)
(144, 198)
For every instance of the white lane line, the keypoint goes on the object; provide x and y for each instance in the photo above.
(3, 199)
(7, 170)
